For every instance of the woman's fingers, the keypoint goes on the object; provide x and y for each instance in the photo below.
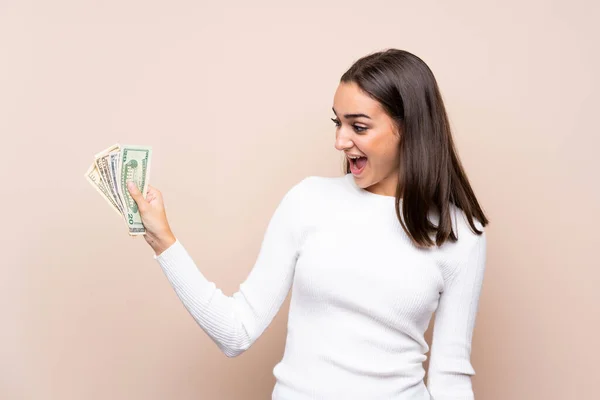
(135, 193)
(152, 193)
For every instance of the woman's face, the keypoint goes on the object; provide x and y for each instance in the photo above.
(363, 128)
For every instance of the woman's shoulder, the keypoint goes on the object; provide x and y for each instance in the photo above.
(461, 221)
(323, 180)
(311, 194)
(314, 185)
(456, 256)
(467, 237)
(300, 192)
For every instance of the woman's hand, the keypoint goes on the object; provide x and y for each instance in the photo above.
(152, 210)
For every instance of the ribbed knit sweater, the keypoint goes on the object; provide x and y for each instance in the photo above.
(362, 298)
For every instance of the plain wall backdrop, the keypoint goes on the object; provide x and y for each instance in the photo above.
(235, 99)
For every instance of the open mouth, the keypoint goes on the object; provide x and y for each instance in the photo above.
(357, 165)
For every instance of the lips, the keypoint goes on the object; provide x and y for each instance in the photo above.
(353, 160)
(358, 165)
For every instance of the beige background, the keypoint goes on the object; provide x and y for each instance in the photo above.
(235, 100)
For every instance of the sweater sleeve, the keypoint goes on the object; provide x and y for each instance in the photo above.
(450, 369)
(235, 322)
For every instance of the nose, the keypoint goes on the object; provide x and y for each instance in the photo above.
(342, 140)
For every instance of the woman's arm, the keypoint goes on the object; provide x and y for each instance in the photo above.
(450, 369)
(235, 322)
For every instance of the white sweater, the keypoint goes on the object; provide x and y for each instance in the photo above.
(362, 298)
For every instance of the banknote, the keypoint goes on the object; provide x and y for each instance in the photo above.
(135, 166)
(113, 167)
(93, 177)
(103, 164)
(115, 171)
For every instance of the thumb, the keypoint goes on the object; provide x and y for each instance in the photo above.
(135, 193)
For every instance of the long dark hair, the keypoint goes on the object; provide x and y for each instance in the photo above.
(430, 172)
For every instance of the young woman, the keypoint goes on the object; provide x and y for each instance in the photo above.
(371, 254)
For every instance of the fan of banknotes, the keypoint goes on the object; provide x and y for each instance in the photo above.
(109, 173)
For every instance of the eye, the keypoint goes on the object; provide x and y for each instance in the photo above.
(357, 128)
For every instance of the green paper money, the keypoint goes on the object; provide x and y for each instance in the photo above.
(134, 165)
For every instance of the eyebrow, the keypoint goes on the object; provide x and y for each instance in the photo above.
(352, 115)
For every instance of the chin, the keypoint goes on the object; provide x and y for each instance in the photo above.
(362, 182)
